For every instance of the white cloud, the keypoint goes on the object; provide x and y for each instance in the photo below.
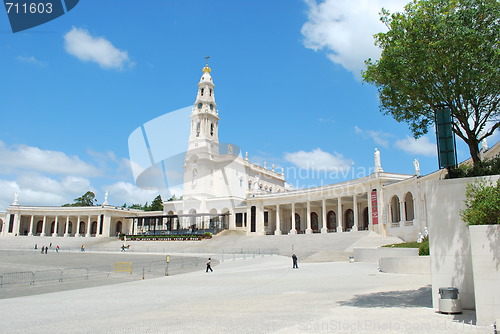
(379, 137)
(421, 146)
(345, 29)
(125, 192)
(319, 159)
(35, 159)
(31, 60)
(34, 189)
(79, 43)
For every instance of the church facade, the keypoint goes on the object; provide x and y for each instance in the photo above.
(222, 189)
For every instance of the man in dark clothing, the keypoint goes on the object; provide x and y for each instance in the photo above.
(294, 259)
(208, 265)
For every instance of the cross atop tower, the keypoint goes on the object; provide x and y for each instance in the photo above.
(206, 59)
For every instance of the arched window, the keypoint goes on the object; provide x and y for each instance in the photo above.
(349, 219)
(198, 126)
(395, 211)
(94, 228)
(297, 222)
(70, 227)
(212, 129)
(52, 227)
(82, 227)
(365, 221)
(331, 221)
(210, 91)
(314, 221)
(409, 209)
(119, 227)
(201, 91)
(39, 227)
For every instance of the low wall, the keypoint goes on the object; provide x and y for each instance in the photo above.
(374, 254)
(406, 265)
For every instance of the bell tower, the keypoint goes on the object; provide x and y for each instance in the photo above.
(203, 147)
(204, 116)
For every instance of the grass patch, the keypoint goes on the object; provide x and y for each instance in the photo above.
(423, 247)
(411, 244)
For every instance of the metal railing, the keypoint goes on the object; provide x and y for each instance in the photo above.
(54, 275)
(154, 268)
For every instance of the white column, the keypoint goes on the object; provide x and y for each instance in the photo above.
(99, 223)
(55, 226)
(77, 234)
(278, 222)
(308, 214)
(30, 233)
(88, 226)
(339, 214)
(17, 225)
(355, 208)
(259, 221)
(43, 226)
(324, 228)
(106, 226)
(402, 213)
(293, 230)
(66, 227)
(249, 220)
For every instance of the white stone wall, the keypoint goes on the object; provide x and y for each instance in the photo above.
(449, 240)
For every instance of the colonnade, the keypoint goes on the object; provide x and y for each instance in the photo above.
(319, 215)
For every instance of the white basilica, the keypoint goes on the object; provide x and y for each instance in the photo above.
(223, 190)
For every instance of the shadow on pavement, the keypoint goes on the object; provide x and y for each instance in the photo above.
(407, 298)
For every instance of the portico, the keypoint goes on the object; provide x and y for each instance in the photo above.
(99, 221)
(342, 207)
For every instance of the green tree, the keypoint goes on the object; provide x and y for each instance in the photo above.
(157, 204)
(86, 199)
(136, 206)
(441, 54)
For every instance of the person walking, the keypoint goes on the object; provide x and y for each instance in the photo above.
(57, 249)
(294, 259)
(209, 263)
(46, 249)
(43, 249)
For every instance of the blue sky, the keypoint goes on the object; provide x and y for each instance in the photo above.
(287, 81)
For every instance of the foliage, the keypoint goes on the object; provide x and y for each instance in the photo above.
(441, 53)
(136, 206)
(411, 244)
(86, 199)
(482, 203)
(423, 247)
(485, 167)
(156, 205)
(168, 237)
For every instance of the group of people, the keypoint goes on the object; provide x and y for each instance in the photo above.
(45, 249)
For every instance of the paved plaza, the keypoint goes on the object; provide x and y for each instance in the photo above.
(261, 294)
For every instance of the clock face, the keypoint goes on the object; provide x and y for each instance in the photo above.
(211, 107)
(199, 105)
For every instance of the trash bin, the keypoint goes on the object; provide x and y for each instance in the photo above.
(448, 293)
(449, 303)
